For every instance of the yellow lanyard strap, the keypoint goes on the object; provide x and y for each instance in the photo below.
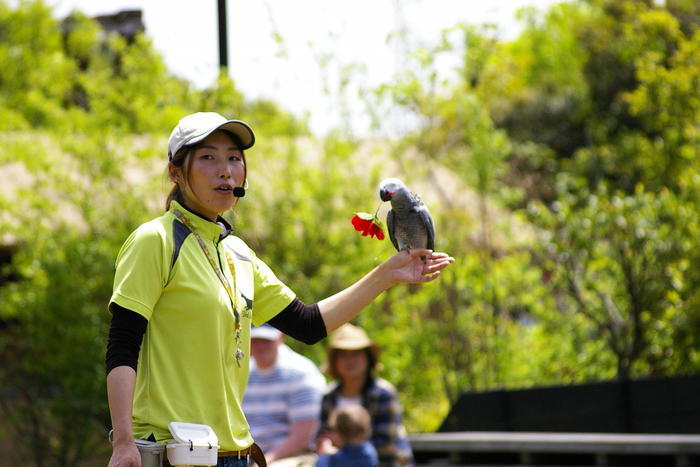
(233, 294)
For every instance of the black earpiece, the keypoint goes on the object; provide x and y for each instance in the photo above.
(239, 192)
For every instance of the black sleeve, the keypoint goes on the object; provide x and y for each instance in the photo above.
(301, 321)
(125, 336)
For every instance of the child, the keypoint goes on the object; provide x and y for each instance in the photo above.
(351, 424)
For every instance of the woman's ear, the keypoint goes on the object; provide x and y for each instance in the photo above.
(174, 173)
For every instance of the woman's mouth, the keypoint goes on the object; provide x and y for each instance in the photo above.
(224, 189)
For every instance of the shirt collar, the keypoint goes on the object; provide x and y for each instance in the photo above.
(215, 231)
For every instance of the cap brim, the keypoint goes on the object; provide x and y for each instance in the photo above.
(241, 129)
(265, 337)
(245, 135)
(267, 334)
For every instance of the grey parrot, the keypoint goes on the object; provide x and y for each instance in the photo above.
(408, 221)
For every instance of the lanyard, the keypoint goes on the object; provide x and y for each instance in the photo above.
(233, 294)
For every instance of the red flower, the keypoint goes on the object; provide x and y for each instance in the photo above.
(368, 224)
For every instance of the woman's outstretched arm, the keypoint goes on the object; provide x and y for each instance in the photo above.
(402, 267)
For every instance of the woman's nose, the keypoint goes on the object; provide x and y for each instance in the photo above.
(225, 171)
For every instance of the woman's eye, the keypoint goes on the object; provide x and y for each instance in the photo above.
(206, 156)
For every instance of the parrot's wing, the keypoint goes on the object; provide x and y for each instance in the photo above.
(390, 228)
(427, 220)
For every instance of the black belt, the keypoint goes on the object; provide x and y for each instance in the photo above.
(253, 451)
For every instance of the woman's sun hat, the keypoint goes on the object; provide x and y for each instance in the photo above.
(349, 337)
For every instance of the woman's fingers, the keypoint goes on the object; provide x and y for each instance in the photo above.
(441, 256)
(430, 254)
(440, 259)
(430, 277)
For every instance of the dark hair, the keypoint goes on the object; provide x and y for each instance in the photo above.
(352, 423)
(178, 160)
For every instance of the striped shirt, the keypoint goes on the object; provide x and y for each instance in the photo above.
(291, 391)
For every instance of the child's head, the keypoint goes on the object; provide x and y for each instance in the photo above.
(351, 423)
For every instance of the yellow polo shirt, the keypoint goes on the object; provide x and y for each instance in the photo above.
(187, 370)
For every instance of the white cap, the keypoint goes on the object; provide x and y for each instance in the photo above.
(265, 331)
(196, 127)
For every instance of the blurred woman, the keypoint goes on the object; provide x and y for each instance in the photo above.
(352, 359)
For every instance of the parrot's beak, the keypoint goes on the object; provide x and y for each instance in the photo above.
(385, 195)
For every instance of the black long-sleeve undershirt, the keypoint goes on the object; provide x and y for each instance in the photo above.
(298, 320)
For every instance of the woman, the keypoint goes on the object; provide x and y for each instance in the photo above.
(186, 292)
(352, 357)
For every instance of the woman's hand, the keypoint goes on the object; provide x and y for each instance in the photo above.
(125, 455)
(415, 266)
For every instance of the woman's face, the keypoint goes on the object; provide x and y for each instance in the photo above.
(215, 168)
(351, 364)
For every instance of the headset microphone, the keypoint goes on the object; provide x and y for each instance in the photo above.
(239, 192)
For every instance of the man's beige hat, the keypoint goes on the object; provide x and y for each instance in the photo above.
(196, 127)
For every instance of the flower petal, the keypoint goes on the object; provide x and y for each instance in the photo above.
(379, 232)
(368, 224)
(360, 224)
(365, 215)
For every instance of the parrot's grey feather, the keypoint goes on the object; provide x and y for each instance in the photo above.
(409, 223)
(428, 221)
(390, 228)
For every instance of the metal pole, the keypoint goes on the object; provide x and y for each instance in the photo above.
(223, 35)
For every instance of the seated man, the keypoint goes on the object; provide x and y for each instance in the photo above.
(283, 399)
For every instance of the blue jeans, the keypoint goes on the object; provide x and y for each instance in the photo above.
(232, 461)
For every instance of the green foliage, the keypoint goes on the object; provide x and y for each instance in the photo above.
(560, 168)
(37, 75)
(78, 171)
(535, 86)
(68, 228)
(55, 376)
(593, 111)
(603, 84)
(265, 116)
(619, 260)
(668, 108)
